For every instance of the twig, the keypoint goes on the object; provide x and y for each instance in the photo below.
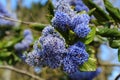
(21, 72)
(23, 22)
(107, 64)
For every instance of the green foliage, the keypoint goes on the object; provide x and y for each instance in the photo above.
(114, 12)
(100, 14)
(107, 32)
(50, 8)
(38, 27)
(90, 65)
(90, 36)
(114, 43)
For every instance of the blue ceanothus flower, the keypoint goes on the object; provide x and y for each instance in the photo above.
(61, 21)
(52, 49)
(80, 25)
(79, 19)
(82, 30)
(89, 75)
(79, 5)
(63, 6)
(75, 57)
(5, 13)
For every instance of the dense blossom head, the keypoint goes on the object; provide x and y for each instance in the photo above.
(80, 45)
(63, 6)
(53, 47)
(75, 57)
(81, 8)
(82, 30)
(61, 21)
(78, 55)
(34, 58)
(48, 30)
(79, 19)
(69, 66)
(79, 5)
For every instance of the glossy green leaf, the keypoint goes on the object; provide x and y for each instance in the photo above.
(90, 65)
(50, 7)
(11, 43)
(114, 12)
(5, 53)
(107, 32)
(91, 35)
(38, 27)
(100, 14)
(91, 11)
(114, 43)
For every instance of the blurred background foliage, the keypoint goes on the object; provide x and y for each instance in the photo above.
(107, 36)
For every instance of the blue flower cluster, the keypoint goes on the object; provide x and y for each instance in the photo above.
(25, 43)
(64, 21)
(5, 13)
(76, 56)
(50, 50)
(85, 75)
(79, 5)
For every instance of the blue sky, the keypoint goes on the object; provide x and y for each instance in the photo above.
(26, 3)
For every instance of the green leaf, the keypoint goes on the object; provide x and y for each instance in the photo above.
(11, 43)
(5, 53)
(50, 8)
(114, 43)
(91, 11)
(107, 32)
(90, 65)
(100, 14)
(91, 35)
(114, 12)
(38, 27)
(119, 54)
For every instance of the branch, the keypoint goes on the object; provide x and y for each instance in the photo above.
(21, 72)
(107, 64)
(23, 22)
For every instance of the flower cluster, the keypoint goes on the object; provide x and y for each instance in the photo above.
(64, 21)
(79, 5)
(76, 56)
(89, 75)
(5, 13)
(51, 51)
(25, 43)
